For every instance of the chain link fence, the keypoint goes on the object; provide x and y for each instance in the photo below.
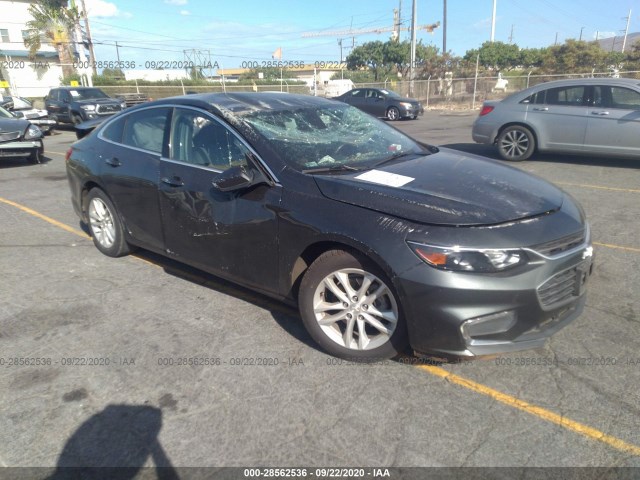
(458, 93)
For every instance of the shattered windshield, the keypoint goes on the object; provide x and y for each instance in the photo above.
(330, 136)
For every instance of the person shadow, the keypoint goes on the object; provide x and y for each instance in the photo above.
(115, 444)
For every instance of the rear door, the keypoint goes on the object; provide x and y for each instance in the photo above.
(614, 121)
(559, 116)
(130, 171)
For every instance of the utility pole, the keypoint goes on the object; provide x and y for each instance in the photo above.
(556, 42)
(86, 26)
(414, 24)
(493, 22)
(581, 29)
(399, 18)
(511, 35)
(626, 32)
(117, 52)
(444, 28)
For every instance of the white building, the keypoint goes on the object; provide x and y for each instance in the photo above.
(18, 74)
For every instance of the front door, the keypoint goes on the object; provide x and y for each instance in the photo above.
(232, 234)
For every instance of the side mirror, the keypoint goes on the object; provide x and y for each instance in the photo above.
(234, 178)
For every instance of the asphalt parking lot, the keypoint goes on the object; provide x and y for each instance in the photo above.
(96, 354)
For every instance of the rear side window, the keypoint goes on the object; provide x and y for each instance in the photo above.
(145, 129)
(114, 130)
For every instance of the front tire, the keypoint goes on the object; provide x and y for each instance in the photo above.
(516, 143)
(36, 156)
(350, 308)
(76, 119)
(393, 113)
(105, 225)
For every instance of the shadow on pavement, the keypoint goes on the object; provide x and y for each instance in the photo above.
(115, 444)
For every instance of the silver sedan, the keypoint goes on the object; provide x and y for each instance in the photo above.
(594, 116)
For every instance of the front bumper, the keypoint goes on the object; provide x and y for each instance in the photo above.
(20, 148)
(467, 315)
(413, 111)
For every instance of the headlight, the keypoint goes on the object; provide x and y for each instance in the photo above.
(469, 260)
(89, 108)
(32, 132)
(405, 104)
(123, 105)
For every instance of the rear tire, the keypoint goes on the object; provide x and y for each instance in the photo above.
(516, 143)
(350, 308)
(105, 225)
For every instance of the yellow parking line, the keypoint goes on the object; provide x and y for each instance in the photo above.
(504, 398)
(45, 218)
(599, 187)
(539, 412)
(617, 247)
(55, 153)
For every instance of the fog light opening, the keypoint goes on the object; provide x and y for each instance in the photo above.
(493, 324)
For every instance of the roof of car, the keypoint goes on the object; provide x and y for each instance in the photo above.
(244, 102)
(590, 81)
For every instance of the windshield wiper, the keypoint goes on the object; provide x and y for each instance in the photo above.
(398, 155)
(331, 169)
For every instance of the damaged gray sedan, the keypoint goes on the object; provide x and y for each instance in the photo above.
(381, 241)
(19, 138)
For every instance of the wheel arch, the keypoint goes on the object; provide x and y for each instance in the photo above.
(518, 124)
(314, 250)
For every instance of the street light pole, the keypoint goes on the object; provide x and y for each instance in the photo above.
(493, 22)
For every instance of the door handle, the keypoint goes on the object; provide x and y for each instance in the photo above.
(600, 113)
(173, 181)
(114, 162)
(541, 109)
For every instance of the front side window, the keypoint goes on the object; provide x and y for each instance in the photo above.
(145, 129)
(625, 98)
(198, 139)
(357, 94)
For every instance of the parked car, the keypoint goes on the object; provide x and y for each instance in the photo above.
(19, 138)
(77, 104)
(587, 116)
(379, 239)
(381, 102)
(23, 108)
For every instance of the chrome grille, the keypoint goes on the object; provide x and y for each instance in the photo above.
(564, 286)
(103, 109)
(554, 247)
(8, 136)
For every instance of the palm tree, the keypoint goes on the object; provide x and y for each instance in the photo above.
(54, 22)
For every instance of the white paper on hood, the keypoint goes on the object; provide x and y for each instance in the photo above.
(385, 178)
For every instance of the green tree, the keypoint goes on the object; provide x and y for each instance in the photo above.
(496, 56)
(113, 73)
(369, 55)
(53, 21)
(575, 56)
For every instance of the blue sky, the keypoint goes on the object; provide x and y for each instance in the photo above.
(244, 30)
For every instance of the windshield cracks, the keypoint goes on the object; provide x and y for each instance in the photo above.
(332, 139)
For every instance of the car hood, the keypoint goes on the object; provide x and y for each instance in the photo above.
(12, 129)
(446, 188)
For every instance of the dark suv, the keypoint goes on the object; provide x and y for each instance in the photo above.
(77, 104)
